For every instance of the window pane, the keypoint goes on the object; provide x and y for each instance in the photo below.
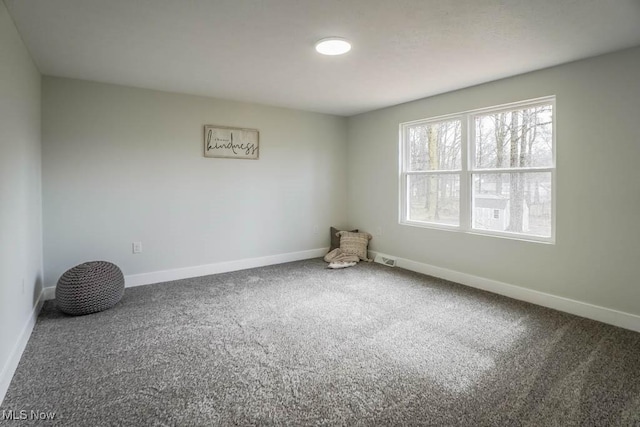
(434, 146)
(518, 138)
(513, 202)
(434, 198)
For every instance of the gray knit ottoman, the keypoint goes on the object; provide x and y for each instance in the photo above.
(90, 287)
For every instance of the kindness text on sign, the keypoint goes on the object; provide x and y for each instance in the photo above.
(230, 143)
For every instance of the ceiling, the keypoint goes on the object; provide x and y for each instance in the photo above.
(263, 50)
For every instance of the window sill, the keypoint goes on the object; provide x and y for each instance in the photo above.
(459, 229)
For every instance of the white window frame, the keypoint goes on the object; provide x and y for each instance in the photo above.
(467, 170)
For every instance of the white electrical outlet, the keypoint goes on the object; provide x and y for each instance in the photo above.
(316, 229)
(378, 231)
(137, 247)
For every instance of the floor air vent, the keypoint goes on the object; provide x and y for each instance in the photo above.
(385, 260)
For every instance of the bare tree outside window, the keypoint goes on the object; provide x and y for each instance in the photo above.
(434, 192)
(490, 171)
(522, 142)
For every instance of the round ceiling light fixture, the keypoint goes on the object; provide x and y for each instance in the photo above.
(333, 46)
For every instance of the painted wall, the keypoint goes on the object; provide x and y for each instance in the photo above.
(596, 257)
(20, 195)
(122, 164)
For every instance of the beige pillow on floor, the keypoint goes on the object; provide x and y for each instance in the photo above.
(355, 243)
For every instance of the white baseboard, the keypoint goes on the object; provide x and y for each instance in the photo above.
(220, 267)
(579, 308)
(204, 270)
(9, 369)
(49, 293)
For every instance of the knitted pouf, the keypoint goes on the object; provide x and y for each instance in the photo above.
(90, 287)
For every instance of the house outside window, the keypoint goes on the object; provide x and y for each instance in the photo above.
(488, 171)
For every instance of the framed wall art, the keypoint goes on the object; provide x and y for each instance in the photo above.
(231, 143)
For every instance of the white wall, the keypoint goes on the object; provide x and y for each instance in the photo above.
(20, 200)
(123, 164)
(596, 257)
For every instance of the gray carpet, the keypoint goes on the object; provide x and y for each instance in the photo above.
(298, 344)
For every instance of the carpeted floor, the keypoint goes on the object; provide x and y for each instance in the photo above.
(298, 344)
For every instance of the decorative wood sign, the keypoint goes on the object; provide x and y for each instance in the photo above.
(230, 143)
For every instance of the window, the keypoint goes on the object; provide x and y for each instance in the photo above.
(488, 171)
(433, 176)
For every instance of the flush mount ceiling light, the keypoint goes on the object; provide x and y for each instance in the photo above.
(333, 46)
